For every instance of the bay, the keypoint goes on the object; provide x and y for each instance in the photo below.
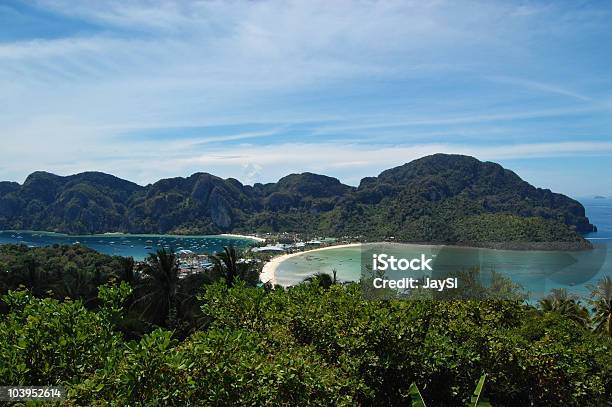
(136, 246)
(538, 272)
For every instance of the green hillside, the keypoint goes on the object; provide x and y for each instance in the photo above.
(439, 198)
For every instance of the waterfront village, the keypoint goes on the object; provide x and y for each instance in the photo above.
(269, 245)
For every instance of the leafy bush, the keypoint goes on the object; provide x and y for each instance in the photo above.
(308, 345)
(44, 341)
(58, 271)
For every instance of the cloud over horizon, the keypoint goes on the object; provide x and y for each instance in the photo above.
(254, 90)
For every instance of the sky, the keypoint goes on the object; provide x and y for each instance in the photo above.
(256, 90)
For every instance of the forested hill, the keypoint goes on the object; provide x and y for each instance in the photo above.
(438, 198)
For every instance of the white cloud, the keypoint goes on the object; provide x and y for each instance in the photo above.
(367, 160)
(73, 103)
(251, 163)
(545, 87)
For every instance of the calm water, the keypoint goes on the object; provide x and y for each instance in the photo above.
(537, 271)
(136, 246)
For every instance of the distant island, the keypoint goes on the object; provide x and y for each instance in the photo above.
(440, 198)
(599, 197)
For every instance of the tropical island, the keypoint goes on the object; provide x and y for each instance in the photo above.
(196, 197)
(159, 331)
(443, 199)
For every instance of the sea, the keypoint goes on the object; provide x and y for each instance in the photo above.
(127, 245)
(537, 272)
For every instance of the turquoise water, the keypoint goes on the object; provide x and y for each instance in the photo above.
(536, 271)
(136, 246)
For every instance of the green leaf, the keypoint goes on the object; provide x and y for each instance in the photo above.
(415, 396)
(475, 400)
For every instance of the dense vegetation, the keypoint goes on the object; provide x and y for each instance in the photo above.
(59, 271)
(308, 346)
(318, 343)
(440, 198)
(159, 298)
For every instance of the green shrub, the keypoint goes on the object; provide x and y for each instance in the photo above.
(44, 341)
(307, 345)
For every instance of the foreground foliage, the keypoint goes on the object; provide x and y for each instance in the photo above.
(475, 401)
(308, 345)
(601, 300)
(56, 271)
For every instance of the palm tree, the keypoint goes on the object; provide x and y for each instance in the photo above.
(189, 309)
(33, 278)
(561, 302)
(602, 305)
(77, 284)
(156, 294)
(160, 297)
(227, 264)
(126, 272)
(325, 280)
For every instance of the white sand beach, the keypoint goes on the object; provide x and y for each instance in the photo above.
(259, 239)
(268, 273)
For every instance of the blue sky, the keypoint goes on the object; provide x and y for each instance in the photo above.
(256, 90)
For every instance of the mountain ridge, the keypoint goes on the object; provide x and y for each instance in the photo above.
(432, 199)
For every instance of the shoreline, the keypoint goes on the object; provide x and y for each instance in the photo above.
(119, 234)
(258, 239)
(268, 272)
